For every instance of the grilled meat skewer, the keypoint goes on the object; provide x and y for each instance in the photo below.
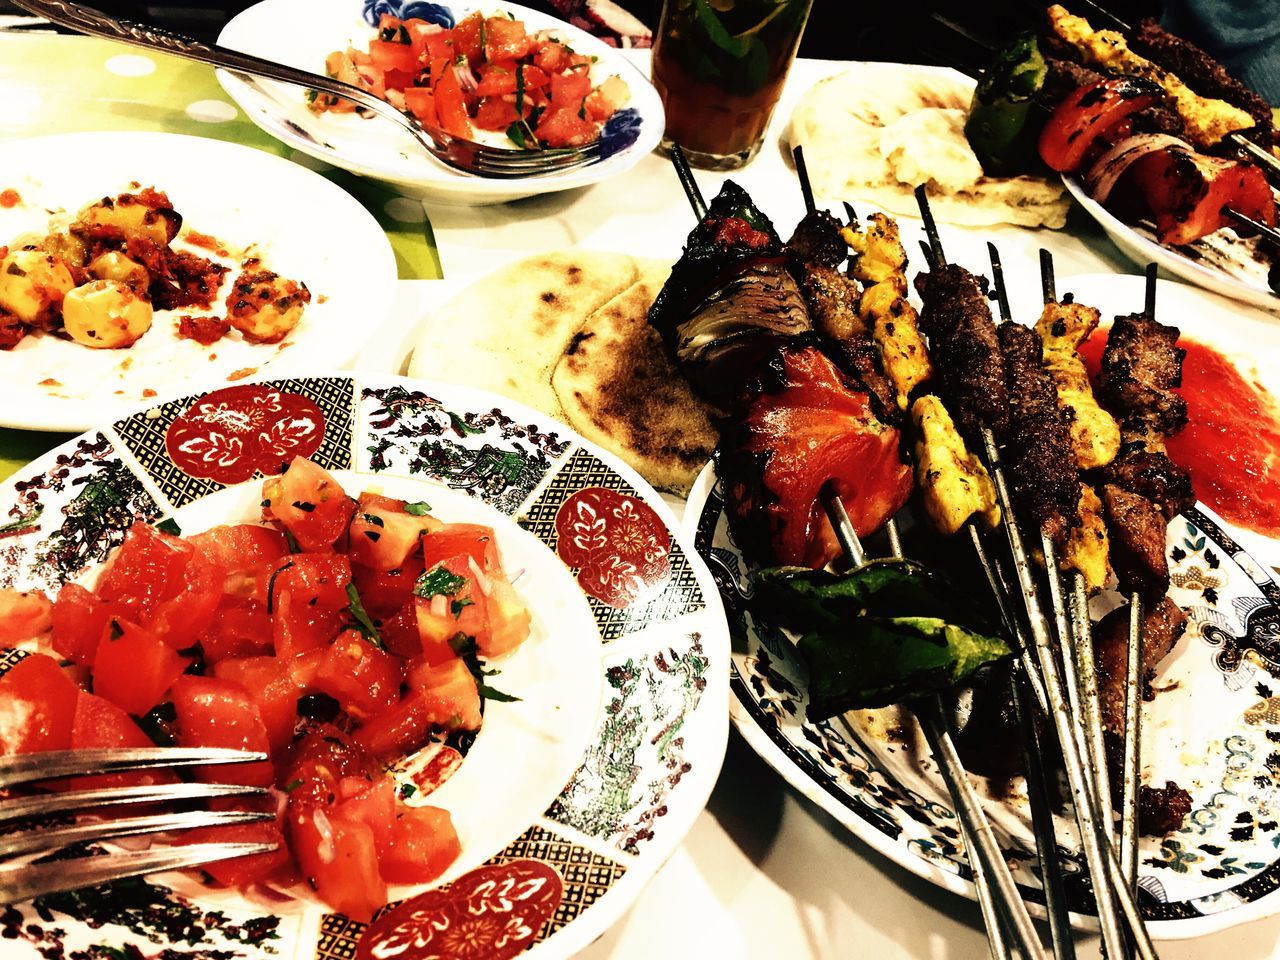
(1095, 435)
(1046, 480)
(964, 349)
(1141, 367)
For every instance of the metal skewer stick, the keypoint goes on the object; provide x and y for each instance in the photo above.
(1082, 629)
(1270, 233)
(1131, 779)
(1096, 854)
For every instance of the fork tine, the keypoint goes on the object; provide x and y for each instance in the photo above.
(30, 767)
(530, 167)
(30, 841)
(24, 881)
(19, 808)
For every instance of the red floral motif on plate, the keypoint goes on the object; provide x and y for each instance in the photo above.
(492, 913)
(228, 435)
(619, 544)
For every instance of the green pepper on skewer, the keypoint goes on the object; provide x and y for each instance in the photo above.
(885, 632)
(1004, 120)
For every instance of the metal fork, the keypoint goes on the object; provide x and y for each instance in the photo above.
(26, 875)
(457, 152)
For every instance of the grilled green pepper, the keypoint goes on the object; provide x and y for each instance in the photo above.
(1004, 121)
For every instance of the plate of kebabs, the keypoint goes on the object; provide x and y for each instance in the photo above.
(932, 426)
(1168, 151)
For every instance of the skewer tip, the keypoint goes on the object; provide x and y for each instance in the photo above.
(997, 282)
(685, 173)
(1149, 304)
(930, 226)
(802, 171)
(1048, 284)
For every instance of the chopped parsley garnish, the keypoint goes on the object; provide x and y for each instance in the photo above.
(304, 506)
(292, 541)
(419, 508)
(407, 790)
(291, 786)
(373, 535)
(271, 585)
(467, 651)
(169, 526)
(457, 606)
(363, 623)
(373, 520)
(436, 581)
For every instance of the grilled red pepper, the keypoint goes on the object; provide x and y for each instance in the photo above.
(1187, 192)
(1092, 118)
(805, 427)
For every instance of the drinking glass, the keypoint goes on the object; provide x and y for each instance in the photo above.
(719, 66)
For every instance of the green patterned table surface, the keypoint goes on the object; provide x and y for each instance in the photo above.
(63, 84)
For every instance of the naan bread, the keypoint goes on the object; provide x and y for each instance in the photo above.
(875, 133)
(618, 388)
(568, 334)
(507, 332)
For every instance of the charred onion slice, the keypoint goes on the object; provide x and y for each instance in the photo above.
(804, 427)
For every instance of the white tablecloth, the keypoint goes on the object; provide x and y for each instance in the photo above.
(763, 874)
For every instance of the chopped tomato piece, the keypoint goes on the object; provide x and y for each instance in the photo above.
(568, 90)
(392, 55)
(473, 539)
(562, 127)
(23, 616)
(80, 619)
(37, 706)
(298, 627)
(420, 101)
(309, 503)
(451, 693)
(451, 600)
(551, 56)
(179, 619)
(423, 845)
(422, 36)
(466, 37)
(318, 580)
(134, 668)
(509, 619)
(246, 552)
(216, 712)
(240, 627)
(505, 39)
(274, 686)
(607, 99)
(384, 594)
(495, 113)
(243, 872)
(384, 534)
(451, 106)
(340, 859)
(362, 678)
(100, 723)
(400, 632)
(147, 568)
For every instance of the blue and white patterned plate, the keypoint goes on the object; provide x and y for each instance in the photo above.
(301, 33)
(1213, 727)
(567, 802)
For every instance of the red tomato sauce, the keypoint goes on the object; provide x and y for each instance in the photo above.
(1231, 443)
(10, 198)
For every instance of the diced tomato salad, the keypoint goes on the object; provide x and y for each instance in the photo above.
(335, 637)
(487, 73)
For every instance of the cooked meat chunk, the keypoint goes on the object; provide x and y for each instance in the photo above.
(1141, 366)
(1042, 466)
(1154, 476)
(964, 350)
(1163, 624)
(1137, 542)
(859, 358)
(817, 240)
(989, 740)
(833, 301)
(1161, 810)
(1202, 74)
(1064, 75)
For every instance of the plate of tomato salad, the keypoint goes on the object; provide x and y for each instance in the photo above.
(497, 73)
(475, 648)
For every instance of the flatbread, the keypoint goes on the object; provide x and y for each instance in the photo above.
(568, 334)
(877, 131)
(507, 332)
(619, 388)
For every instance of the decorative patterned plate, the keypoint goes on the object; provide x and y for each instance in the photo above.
(301, 33)
(1213, 727)
(567, 802)
(236, 194)
(1221, 263)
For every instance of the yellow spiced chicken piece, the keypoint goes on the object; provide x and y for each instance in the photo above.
(879, 262)
(953, 483)
(1095, 435)
(1207, 121)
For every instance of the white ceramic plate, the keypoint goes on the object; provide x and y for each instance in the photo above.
(301, 33)
(1210, 729)
(304, 227)
(1218, 263)
(569, 800)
